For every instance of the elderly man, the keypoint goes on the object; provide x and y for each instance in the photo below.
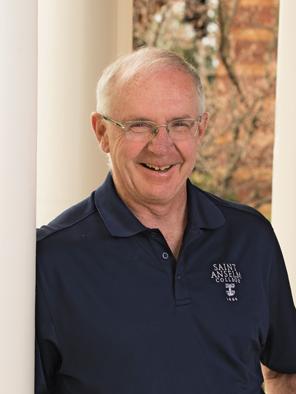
(151, 285)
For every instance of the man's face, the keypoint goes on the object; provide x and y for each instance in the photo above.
(160, 97)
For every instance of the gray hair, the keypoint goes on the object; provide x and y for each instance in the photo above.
(125, 68)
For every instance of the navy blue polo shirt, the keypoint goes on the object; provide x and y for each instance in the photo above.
(117, 314)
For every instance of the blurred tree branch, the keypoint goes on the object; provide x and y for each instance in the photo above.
(235, 159)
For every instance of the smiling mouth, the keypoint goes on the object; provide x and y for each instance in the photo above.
(156, 168)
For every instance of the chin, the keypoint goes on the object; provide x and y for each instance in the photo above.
(160, 196)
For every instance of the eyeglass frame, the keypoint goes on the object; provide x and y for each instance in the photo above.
(156, 127)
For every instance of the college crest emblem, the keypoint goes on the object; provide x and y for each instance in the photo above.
(227, 275)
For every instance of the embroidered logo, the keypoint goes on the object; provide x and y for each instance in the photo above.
(229, 275)
(229, 287)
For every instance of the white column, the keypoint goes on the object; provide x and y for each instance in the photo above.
(77, 39)
(18, 125)
(284, 169)
(124, 26)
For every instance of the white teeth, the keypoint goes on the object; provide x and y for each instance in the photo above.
(155, 168)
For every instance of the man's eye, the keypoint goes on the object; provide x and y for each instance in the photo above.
(182, 124)
(140, 126)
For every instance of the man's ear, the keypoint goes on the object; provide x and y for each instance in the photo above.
(99, 128)
(203, 124)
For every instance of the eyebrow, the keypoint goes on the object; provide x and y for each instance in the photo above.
(139, 118)
(183, 117)
(186, 116)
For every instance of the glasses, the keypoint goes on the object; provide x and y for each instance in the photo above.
(141, 130)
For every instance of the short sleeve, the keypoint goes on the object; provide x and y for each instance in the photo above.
(47, 357)
(279, 353)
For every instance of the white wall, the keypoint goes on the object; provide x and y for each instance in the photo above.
(284, 169)
(18, 125)
(77, 39)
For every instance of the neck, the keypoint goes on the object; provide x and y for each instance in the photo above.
(169, 218)
(158, 216)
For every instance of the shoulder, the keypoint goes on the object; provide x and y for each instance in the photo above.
(232, 208)
(239, 217)
(68, 221)
(68, 239)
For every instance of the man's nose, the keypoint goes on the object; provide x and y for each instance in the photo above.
(161, 139)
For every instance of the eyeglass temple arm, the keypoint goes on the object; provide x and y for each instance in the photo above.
(113, 121)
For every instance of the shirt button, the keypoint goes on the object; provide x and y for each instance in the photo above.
(165, 255)
(179, 277)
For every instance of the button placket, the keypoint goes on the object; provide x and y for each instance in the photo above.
(182, 295)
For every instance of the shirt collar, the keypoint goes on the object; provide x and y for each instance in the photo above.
(121, 222)
(203, 213)
(117, 217)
